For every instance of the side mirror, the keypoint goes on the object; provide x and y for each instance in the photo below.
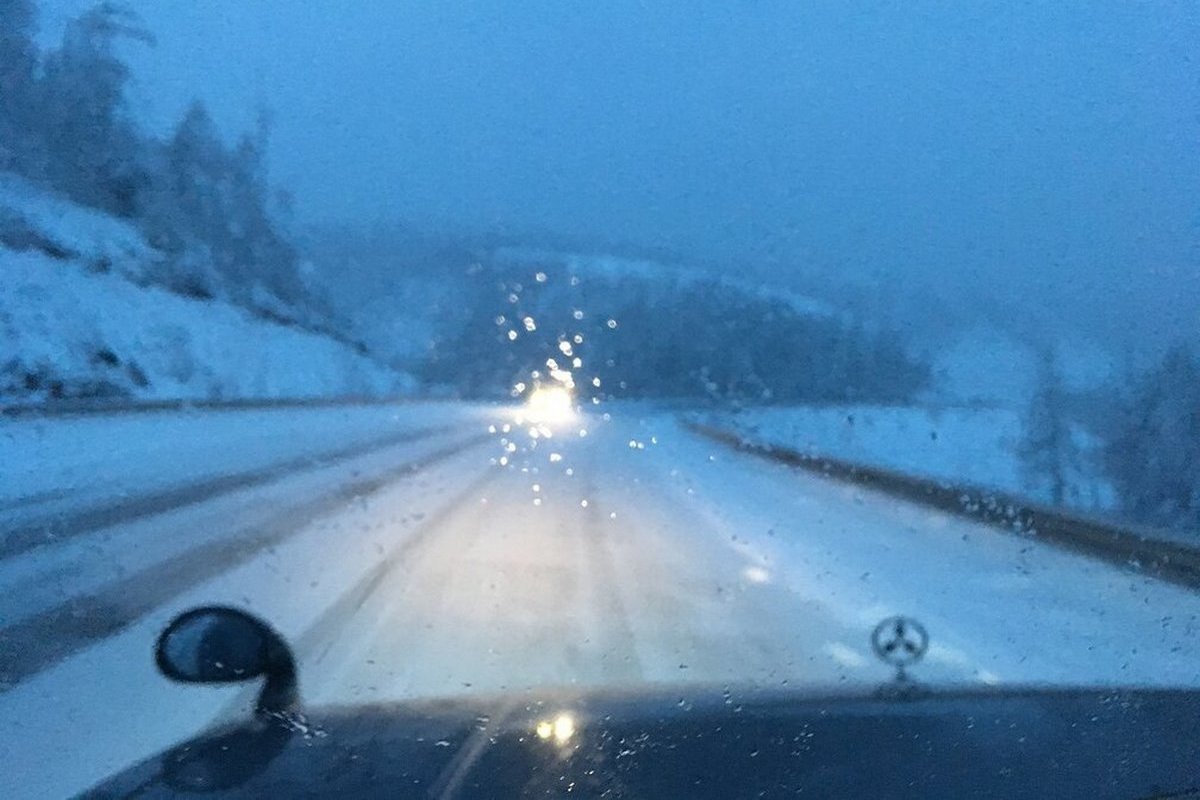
(215, 644)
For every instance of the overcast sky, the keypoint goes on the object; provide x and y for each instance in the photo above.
(1046, 152)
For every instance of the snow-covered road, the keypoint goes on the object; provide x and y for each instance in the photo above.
(440, 554)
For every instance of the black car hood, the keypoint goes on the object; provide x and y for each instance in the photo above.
(1014, 743)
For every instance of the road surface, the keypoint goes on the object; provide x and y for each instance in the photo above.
(435, 550)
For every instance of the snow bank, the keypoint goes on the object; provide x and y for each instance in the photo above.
(975, 446)
(74, 322)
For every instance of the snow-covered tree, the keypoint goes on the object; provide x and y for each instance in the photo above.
(258, 238)
(210, 199)
(93, 147)
(207, 206)
(1047, 451)
(18, 64)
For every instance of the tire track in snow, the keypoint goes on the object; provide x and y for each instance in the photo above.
(620, 662)
(356, 597)
(60, 528)
(320, 637)
(38, 642)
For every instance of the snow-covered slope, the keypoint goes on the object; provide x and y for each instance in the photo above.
(77, 321)
(971, 446)
(35, 219)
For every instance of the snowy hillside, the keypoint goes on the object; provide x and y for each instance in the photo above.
(76, 321)
(485, 321)
(669, 277)
(37, 220)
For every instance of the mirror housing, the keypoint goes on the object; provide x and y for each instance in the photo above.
(217, 644)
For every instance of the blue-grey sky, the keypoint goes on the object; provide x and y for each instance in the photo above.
(1043, 154)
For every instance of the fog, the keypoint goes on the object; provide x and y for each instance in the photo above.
(1036, 162)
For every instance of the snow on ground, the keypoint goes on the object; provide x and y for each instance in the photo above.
(973, 446)
(36, 583)
(74, 323)
(1001, 608)
(639, 554)
(107, 706)
(31, 217)
(100, 335)
(77, 461)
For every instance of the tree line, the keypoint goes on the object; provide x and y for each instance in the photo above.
(1147, 435)
(656, 337)
(206, 205)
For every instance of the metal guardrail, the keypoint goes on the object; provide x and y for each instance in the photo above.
(1122, 545)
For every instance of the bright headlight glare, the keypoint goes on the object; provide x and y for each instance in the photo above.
(550, 404)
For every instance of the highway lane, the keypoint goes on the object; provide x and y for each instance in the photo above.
(613, 552)
(647, 555)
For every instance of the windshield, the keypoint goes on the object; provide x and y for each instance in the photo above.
(483, 349)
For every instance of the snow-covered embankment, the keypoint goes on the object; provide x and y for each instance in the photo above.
(78, 319)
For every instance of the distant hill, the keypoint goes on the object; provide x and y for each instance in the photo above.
(482, 321)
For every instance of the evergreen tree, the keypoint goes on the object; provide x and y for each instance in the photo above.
(18, 62)
(93, 149)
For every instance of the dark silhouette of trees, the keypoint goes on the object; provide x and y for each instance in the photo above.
(1047, 451)
(696, 338)
(1152, 455)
